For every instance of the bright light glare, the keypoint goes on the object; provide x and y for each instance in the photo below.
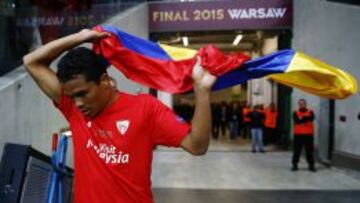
(237, 39)
(185, 41)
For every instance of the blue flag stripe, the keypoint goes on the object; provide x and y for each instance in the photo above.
(273, 63)
(138, 45)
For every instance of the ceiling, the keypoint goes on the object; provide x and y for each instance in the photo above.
(252, 40)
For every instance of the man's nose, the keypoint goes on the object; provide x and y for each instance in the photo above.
(79, 103)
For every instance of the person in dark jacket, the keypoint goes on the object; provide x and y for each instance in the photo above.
(256, 125)
(223, 117)
(233, 118)
(216, 118)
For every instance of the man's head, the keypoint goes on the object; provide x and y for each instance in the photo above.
(81, 61)
(83, 76)
(302, 104)
(272, 107)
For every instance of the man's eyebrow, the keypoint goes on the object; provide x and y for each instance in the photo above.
(79, 94)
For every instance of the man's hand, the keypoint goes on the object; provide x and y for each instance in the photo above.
(88, 35)
(201, 77)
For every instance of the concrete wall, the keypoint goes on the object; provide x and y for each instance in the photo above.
(133, 21)
(28, 117)
(331, 32)
(260, 92)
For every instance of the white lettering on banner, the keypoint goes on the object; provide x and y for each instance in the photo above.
(170, 16)
(109, 153)
(255, 13)
(261, 13)
(279, 13)
(40, 21)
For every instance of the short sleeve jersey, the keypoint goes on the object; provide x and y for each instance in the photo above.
(113, 151)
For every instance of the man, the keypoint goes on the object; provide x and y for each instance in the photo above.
(303, 135)
(224, 112)
(114, 133)
(216, 115)
(270, 124)
(256, 125)
(234, 114)
(246, 120)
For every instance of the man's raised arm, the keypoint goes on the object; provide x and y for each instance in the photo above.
(197, 142)
(37, 62)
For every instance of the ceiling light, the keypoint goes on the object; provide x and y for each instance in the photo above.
(185, 41)
(237, 39)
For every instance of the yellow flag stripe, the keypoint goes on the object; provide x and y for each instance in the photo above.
(316, 77)
(178, 53)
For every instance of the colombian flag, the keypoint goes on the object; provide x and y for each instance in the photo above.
(169, 68)
(149, 64)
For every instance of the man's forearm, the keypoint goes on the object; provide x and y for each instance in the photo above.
(197, 142)
(297, 119)
(201, 122)
(47, 53)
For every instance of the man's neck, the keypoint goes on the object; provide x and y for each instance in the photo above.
(113, 96)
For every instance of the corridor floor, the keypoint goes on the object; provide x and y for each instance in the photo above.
(241, 176)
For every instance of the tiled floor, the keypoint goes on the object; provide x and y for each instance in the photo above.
(226, 145)
(232, 167)
(254, 196)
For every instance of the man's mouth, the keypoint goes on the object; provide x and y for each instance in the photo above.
(86, 112)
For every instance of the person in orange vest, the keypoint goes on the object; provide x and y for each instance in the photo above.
(270, 124)
(246, 120)
(303, 135)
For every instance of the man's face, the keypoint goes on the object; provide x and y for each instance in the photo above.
(301, 104)
(88, 96)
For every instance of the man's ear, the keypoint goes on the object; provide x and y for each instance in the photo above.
(105, 79)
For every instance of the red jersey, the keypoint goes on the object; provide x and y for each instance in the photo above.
(113, 151)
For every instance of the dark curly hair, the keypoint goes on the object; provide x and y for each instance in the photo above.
(81, 61)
